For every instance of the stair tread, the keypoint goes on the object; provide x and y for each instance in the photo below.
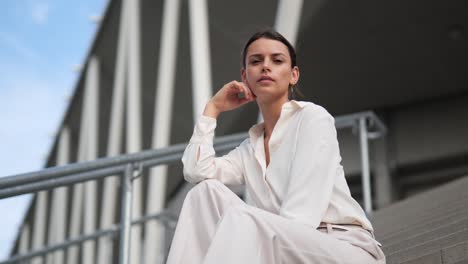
(426, 247)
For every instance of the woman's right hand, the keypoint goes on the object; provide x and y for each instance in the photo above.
(227, 99)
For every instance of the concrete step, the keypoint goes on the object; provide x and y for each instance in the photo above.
(457, 254)
(433, 258)
(429, 235)
(430, 227)
(423, 226)
(449, 187)
(436, 203)
(411, 222)
(420, 211)
(457, 209)
(423, 204)
(424, 248)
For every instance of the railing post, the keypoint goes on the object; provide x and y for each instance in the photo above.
(125, 215)
(366, 187)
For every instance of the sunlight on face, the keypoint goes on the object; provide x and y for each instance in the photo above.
(268, 71)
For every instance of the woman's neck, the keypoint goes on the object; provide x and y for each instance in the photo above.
(271, 113)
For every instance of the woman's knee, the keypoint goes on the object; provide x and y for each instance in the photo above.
(240, 219)
(207, 185)
(239, 213)
(204, 189)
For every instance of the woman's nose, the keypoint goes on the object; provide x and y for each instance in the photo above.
(266, 64)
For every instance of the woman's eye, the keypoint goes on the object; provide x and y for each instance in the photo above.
(278, 61)
(254, 61)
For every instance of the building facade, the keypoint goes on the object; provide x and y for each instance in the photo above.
(154, 64)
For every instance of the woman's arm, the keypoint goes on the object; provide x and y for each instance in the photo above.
(227, 98)
(314, 168)
(199, 158)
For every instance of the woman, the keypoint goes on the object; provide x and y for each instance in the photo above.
(301, 209)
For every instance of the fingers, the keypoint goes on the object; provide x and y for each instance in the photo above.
(232, 95)
(243, 92)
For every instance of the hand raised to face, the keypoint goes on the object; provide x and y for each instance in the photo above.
(229, 97)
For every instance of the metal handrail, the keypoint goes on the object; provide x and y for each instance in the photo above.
(126, 165)
(167, 219)
(100, 168)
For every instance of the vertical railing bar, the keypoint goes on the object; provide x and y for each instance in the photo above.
(125, 221)
(366, 187)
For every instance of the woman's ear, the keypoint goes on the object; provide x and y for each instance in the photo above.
(294, 75)
(244, 79)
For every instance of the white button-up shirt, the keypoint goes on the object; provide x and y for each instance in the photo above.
(304, 180)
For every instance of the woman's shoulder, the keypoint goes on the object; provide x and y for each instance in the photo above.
(311, 110)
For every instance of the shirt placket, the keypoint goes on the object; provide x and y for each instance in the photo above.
(265, 195)
(274, 142)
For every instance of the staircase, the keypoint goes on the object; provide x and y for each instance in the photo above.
(429, 228)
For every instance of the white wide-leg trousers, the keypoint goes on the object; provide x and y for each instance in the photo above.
(215, 226)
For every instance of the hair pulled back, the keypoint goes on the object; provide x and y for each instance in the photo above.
(272, 34)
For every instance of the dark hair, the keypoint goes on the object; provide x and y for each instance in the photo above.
(274, 35)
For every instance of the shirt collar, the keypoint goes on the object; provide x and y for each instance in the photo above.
(256, 131)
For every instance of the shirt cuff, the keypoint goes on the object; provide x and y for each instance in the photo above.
(203, 133)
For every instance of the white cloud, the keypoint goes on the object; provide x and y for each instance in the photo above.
(40, 12)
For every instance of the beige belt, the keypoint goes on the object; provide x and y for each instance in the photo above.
(344, 227)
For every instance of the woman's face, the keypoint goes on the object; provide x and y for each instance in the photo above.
(268, 71)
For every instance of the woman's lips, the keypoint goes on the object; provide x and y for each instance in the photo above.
(265, 78)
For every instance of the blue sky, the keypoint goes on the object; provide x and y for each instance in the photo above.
(41, 42)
